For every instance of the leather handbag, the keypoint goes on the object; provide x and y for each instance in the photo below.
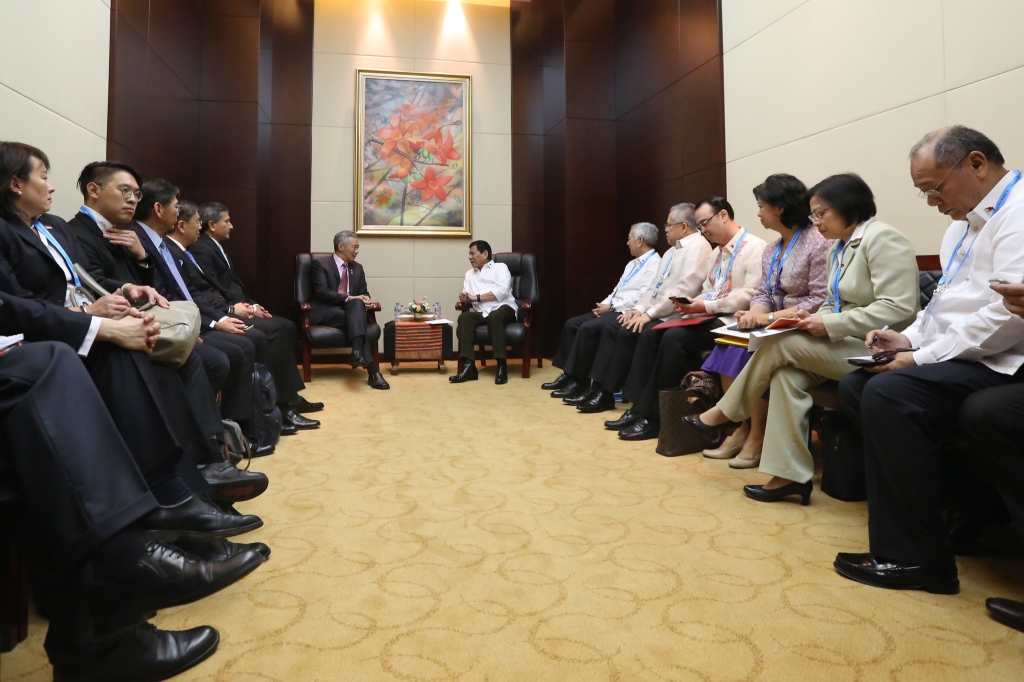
(698, 392)
(179, 325)
(842, 476)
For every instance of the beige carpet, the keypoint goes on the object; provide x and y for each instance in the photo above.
(483, 533)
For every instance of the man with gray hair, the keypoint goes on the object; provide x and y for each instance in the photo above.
(581, 334)
(340, 299)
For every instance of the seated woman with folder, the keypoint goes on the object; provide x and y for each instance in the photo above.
(872, 282)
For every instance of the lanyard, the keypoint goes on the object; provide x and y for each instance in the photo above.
(775, 281)
(637, 268)
(664, 270)
(837, 267)
(719, 276)
(45, 234)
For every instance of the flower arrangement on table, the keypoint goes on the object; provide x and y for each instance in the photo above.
(421, 311)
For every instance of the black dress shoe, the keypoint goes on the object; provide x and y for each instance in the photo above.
(762, 494)
(143, 654)
(571, 389)
(378, 381)
(558, 383)
(164, 576)
(467, 372)
(288, 429)
(228, 482)
(220, 550)
(196, 519)
(304, 406)
(586, 396)
(602, 402)
(1007, 612)
(292, 417)
(628, 418)
(694, 421)
(357, 359)
(502, 375)
(871, 570)
(642, 429)
(264, 450)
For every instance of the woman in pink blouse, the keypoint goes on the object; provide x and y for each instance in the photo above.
(793, 277)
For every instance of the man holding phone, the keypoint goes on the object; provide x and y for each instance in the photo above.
(965, 341)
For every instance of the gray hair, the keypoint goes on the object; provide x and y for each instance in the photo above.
(646, 231)
(343, 238)
(950, 145)
(683, 213)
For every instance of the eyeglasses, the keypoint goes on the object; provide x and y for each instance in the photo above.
(702, 224)
(668, 225)
(127, 192)
(818, 215)
(932, 193)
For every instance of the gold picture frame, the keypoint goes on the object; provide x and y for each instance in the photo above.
(413, 154)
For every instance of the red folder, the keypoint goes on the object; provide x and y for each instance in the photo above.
(686, 321)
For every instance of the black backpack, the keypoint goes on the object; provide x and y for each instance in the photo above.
(266, 416)
(842, 451)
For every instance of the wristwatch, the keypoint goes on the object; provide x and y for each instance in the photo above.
(771, 317)
(478, 298)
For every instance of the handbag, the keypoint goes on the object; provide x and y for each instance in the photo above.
(179, 325)
(842, 453)
(236, 445)
(697, 392)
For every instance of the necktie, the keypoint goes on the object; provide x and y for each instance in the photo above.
(193, 259)
(174, 271)
(343, 285)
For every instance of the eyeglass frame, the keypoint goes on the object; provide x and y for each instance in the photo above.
(137, 193)
(668, 225)
(818, 215)
(937, 190)
(703, 224)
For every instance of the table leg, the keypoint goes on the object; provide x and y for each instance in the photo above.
(394, 367)
(441, 368)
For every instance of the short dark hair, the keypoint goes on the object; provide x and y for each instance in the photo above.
(155, 191)
(186, 209)
(951, 145)
(482, 246)
(848, 195)
(211, 212)
(101, 172)
(15, 162)
(788, 193)
(717, 204)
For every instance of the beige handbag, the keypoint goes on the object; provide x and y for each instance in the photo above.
(179, 325)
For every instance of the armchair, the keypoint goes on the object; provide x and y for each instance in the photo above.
(319, 336)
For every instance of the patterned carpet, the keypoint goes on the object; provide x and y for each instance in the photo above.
(484, 534)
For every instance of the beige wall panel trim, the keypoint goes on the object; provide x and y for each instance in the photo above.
(326, 220)
(57, 53)
(983, 39)
(830, 63)
(492, 169)
(743, 19)
(1000, 115)
(875, 148)
(333, 154)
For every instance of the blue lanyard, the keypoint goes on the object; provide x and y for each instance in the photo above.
(775, 281)
(638, 268)
(55, 244)
(664, 270)
(837, 266)
(719, 276)
(946, 277)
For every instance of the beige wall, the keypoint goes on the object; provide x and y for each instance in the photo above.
(54, 66)
(409, 35)
(815, 87)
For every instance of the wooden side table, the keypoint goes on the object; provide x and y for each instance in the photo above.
(418, 341)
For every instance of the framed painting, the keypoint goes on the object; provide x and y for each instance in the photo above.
(413, 154)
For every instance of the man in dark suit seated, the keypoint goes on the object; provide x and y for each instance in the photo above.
(215, 266)
(82, 511)
(340, 299)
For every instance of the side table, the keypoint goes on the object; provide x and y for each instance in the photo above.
(418, 341)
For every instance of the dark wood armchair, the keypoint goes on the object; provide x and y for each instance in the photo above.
(319, 336)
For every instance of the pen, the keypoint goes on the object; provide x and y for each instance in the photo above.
(875, 340)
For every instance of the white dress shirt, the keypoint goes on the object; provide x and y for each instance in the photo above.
(69, 302)
(492, 278)
(636, 279)
(100, 221)
(746, 270)
(969, 320)
(683, 270)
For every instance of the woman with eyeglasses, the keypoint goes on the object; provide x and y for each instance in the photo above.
(793, 273)
(872, 282)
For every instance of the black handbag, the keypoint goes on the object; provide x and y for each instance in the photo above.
(698, 392)
(842, 453)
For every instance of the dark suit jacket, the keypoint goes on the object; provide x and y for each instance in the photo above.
(42, 321)
(30, 261)
(116, 263)
(199, 283)
(325, 280)
(216, 265)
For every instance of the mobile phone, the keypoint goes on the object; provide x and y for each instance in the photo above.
(682, 300)
(868, 361)
(997, 280)
(146, 306)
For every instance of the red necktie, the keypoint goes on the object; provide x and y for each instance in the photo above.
(343, 286)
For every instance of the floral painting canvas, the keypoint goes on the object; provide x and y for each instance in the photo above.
(413, 153)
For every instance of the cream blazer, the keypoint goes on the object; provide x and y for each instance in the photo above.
(878, 284)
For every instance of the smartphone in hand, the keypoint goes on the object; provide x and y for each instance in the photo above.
(681, 300)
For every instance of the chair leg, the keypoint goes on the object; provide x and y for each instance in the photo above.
(483, 356)
(526, 355)
(307, 372)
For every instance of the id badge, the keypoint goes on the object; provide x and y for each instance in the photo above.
(926, 319)
(79, 297)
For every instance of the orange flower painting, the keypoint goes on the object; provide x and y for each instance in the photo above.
(413, 136)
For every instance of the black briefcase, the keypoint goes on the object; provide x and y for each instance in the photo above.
(842, 453)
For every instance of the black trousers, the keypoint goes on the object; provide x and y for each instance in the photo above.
(661, 362)
(496, 322)
(241, 354)
(274, 342)
(904, 416)
(616, 351)
(350, 318)
(569, 331)
(583, 351)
